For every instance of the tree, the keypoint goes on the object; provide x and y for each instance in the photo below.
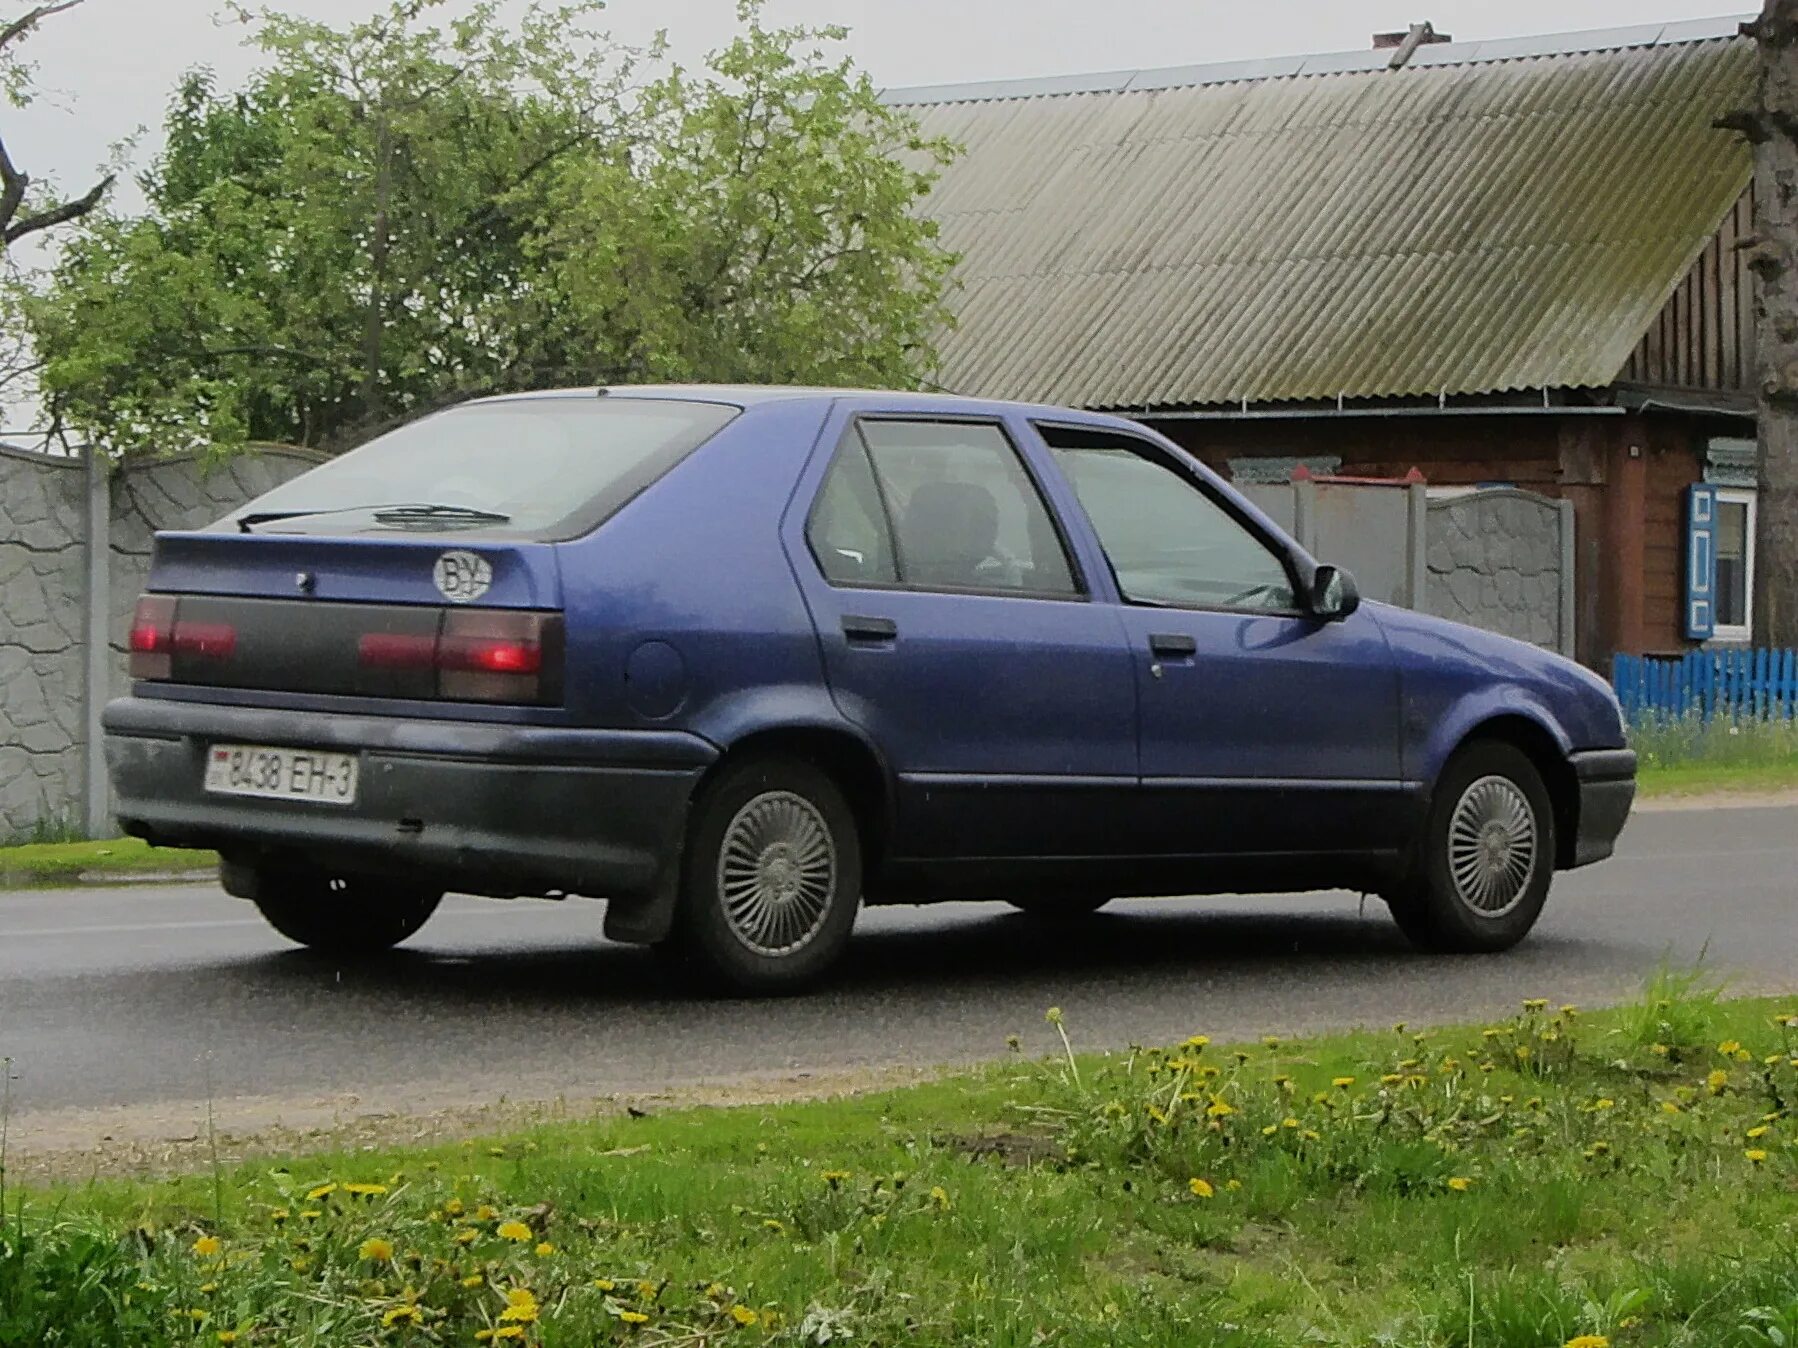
(1772, 128)
(398, 215)
(21, 214)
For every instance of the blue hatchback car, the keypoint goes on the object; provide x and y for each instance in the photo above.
(738, 660)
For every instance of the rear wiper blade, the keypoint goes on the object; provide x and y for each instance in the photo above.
(402, 514)
(396, 513)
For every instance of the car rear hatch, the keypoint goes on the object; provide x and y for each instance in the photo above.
(445, 618)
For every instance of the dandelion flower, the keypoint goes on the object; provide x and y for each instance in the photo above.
(1716, 1081)
(208, 1288)
(1755, 1155)
(939, 1197)
(365, 1190)
(1669, 1107)
(486, 1213)
(545, 1249)
(453, 1207)
(1270, 1130)
(1053, 1015)
(776, 1227)
(521, 1307)
(402, 1315)
(473, 1280)
(1729, 1048)
(515, 1231)
(1233, 1185)
(1342, 1083)
(466, 1236)
(633, 1317)
(1759, 1130)
(743, 1315)
(509, 1332)
(323, 1191)
(377, 1250)
(208, 1247)
(1536, 1004)
(835, 1177)
(1460, 1183)
(1660, 1050)
(1219, 1108)
(227, 1336)
(1196, 1042)
(1201, 1188)
(1589, 1341)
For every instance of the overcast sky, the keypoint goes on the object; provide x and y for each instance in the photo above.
(109, 66)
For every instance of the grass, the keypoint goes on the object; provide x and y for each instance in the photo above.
(1688, 756)
(1628, 1178)
(40, 865)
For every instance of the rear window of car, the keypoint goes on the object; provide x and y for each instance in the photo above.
(553, 467)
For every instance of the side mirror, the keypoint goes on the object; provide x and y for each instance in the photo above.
(1333, 594)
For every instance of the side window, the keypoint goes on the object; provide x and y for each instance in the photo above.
(848, 532)
(1168, 542)
(965, 513)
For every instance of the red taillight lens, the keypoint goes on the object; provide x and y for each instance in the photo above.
(479, 655)
(205, 641)
(152, 640)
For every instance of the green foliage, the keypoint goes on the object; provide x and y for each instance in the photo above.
(1689, 753)
(399, 214)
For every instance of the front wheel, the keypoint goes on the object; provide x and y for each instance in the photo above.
(1482, 867)
(342, 914)
(771, 880)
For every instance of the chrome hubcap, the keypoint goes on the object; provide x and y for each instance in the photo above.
(777, 873)
(1492, 846)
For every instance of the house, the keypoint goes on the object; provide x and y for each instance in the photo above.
(1515, 262)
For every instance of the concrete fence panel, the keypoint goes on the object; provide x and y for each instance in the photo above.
(1502, 558)
(75, 544)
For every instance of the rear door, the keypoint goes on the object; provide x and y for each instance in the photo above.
(958, 631)
(1264, 730)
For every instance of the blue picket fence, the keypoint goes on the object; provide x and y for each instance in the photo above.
(1758, 684)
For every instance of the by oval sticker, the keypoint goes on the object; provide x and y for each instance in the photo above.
(462, 577)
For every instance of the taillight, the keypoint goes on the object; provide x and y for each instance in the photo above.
(152, 639)
(478, 655)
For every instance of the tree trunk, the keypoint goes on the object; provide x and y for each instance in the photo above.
(1773, 128)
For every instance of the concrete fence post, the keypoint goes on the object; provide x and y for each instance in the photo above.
(1304, 514)
(97, 673)
(1568, 644)
(1417, 523)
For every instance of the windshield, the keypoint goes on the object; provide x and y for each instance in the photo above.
(551, 467)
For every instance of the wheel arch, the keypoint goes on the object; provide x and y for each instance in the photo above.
(1546, 754)
(845, 756)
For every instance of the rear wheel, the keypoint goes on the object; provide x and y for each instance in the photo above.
(343, 914)
(1061, 907)
(771, 880)
(1486, 857)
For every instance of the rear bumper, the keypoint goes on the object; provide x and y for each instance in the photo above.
(478, 807)
(1607, 789)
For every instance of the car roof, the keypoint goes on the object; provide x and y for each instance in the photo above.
(752, 395)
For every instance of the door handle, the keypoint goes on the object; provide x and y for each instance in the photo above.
(859, 628)
(1173, 645)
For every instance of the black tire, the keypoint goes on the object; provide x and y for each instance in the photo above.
(1061, 907)
(774, 942)
(345, 915)
(1433, 909)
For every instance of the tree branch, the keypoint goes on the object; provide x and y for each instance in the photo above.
(56, 215)
(26, 22)
(12, 187)
(279, 352)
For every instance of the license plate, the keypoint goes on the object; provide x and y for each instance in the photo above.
(281, 774)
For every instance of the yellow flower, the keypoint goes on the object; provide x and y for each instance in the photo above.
(310, 1214)
(1659, 1050)
(1270, 1130)
(1759, 1130)
(835, 1177)
(207, 1247)
(509, 1332)
(1201, 1188)
(365, 1190)
(323, 1191)
(1342, 1083)
(453, 1207)
(208, 1288)
(1605, 1103)
(1729, 1048)
(939, 1197)
(473, 1280)
(1219, 1108)
(648, 1290)
(227, 1336)
(743, 1315)
(1716, 1081)
(521, 1307)
(1196, 1042)
(1755, 1155)
(517, 1231)
(604, 1284)
(1669, 1107)
(633, 1317)
(380, 1251)
(1311, 1135)
(486, 1213)
(279, 1215)
(483, 1336)
(1460, 1183)
(1589, 1341)
(1536, 1004)
(1156, 1114)
(402, 1315)
(1053, 1015)
(466, 1236)
(1391, 1079)
(776, 1227)
(1233, 1185)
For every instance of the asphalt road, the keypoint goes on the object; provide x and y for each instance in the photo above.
(133, 997)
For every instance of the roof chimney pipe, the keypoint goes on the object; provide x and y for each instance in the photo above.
(1403, 46)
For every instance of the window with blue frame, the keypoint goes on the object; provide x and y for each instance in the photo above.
(1719, 553)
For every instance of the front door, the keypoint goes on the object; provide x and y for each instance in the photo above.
(1263, 729)
(957, 631)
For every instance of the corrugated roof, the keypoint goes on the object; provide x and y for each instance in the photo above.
(1494, 216)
